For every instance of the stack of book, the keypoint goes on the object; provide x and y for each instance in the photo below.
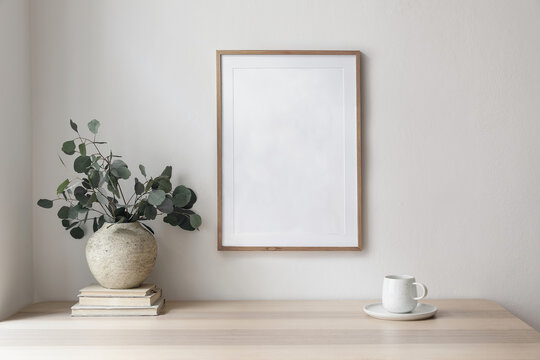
(95, 300)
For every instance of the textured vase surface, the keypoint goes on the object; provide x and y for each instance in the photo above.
(121, 256)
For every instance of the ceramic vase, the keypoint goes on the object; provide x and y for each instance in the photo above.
(121, 256)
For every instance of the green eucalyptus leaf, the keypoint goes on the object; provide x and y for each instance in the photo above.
(192, 200)
(118, 164)
(139, 187)
(62, 186)
(93, 126)
(141, 206)
(163, 183)
(150, 212)
(108, 219)
(113, 187)
(120, 169)
(77, 233)
(73, 125)
(122, 173)
(112, 184)
(82, 149)
(111, 179)
(80, 194)
(171, 219)
(81, 164)
(167, 172)
(156, 197)
(195, 221)
(68, 147)
(166, 206)
(184, 223)
(181, 196)
(73, 212)
(95, 225)
(63, 212)
(45, 203)
(102, 199)
(102, 177)
(143, 170)
(65, 223)
(93, 177)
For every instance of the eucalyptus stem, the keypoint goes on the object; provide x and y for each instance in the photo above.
(122, 193)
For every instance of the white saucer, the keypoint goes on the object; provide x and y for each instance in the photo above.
(422, 311)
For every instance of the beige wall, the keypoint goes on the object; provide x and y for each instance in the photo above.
(450, 125)
(15, 158)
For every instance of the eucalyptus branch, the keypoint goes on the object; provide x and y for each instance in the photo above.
(129, 200)
(151, 199)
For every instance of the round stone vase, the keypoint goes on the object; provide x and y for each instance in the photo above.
(121, 256)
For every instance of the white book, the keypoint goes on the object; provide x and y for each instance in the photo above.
(147, 300)
(82, 310)
(98, 290)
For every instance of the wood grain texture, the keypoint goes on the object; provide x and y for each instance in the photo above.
(357, 55)
(464, 329)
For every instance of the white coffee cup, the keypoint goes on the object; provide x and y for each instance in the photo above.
(399, 293)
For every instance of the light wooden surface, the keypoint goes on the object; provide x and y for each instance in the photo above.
(463, 329)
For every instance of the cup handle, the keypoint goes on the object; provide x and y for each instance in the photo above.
(424, 288)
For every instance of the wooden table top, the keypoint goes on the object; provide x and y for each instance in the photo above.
(462, 329)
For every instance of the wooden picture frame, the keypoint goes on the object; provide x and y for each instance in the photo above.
(256, 92)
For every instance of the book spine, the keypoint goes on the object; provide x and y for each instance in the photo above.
(96, 301)
(120, 301)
